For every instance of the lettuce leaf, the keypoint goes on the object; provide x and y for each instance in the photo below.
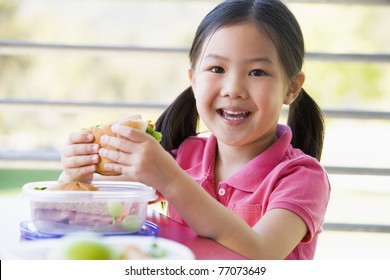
(157, 135)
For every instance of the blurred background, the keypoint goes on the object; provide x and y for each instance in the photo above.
(71, 64)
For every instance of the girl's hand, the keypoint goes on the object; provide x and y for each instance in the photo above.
(140, 157)
(79, 157)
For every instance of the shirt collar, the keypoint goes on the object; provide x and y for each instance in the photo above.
(209, 157)
(255, 171)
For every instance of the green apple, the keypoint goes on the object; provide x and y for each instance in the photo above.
(83, 249)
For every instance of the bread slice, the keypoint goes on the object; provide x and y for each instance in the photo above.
(72, 186)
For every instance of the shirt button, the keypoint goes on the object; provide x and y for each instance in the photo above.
(221, 192)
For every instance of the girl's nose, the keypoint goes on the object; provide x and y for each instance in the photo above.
(234, 87)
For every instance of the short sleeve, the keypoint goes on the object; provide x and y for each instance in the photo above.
(303, 188)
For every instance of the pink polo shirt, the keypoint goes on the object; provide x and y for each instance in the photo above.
(280, 177)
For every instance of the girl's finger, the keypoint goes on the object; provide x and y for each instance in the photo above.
(115, 167)
(79, 161)
(130, 133)
(129, 171)
(122, 144)
(80, 137)
(116, 156)
(80, 172)
(80, 149)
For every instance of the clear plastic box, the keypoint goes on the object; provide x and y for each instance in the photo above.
(115, 208)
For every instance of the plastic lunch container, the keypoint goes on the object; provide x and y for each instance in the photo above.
(116, 208)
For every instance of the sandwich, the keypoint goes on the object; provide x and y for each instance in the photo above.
(48, 215)
(105, 129)
(70, 186)
(68, 211)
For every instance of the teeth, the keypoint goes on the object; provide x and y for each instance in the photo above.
(231, 115)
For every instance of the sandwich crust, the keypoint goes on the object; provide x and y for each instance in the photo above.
(72, 186)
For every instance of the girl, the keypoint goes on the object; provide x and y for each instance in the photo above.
(254, 185)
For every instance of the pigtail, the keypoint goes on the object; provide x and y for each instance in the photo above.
(307, 124)
(178, 121)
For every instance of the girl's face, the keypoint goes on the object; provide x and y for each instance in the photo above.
(240, 85)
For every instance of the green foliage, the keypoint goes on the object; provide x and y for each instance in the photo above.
(345, 84)
(14, 179)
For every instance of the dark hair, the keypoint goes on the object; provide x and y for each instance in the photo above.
(180, 120)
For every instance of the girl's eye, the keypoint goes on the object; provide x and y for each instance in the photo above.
(217, 69)
(257, 73)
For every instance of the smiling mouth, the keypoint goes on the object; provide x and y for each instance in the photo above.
(233, 115)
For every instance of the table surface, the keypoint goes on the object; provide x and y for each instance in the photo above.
(14, 210)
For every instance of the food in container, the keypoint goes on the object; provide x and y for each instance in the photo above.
(105, 207)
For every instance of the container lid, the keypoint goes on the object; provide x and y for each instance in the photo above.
(29, 232)
(108, 190)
